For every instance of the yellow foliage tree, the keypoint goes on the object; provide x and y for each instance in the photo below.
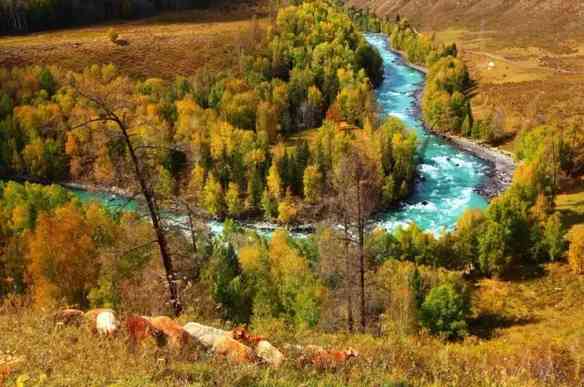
(312, 184)
(287, 211)
(233, 200)
(63, 257)
(274, 182)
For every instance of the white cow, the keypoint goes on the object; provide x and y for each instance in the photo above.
(269, 354)
(205, 334)
(106, 323)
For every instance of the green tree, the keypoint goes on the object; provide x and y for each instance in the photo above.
(229, 288)
(493, 258)
(47, 81)
(444, 312)
(553, 237)
(269, 205)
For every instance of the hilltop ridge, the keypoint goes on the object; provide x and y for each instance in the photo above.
(526, 17)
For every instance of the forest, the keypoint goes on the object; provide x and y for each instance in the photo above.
(293, 136)
(25, 16)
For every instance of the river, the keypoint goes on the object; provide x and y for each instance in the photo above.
(449, 177)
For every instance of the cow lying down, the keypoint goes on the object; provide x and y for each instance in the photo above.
(237, 345)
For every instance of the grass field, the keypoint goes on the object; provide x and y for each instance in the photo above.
(524, 85)
(171, 44)
(528, 332)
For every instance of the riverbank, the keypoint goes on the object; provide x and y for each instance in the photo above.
(502, 163)
(405, 59)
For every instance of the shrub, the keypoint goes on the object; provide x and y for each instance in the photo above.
(113, 35)
(576, 252)
(444, 312)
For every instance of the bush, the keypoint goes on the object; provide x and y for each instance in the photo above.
(576, 252)
(444, 312)
(113, 36)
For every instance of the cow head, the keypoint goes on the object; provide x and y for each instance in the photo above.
(240, 333)
(350, 352)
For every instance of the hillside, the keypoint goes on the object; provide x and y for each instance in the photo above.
(525, 19)
(527, 56)
(167, 45)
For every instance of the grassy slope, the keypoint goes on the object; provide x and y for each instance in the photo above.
(530, 333)
(174, 43)
(571, 205)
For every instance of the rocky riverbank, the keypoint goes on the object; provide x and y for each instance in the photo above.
(500, 174)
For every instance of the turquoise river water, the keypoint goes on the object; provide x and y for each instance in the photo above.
(448, 175)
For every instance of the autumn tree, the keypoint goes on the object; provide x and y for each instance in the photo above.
(62, 251)
(358, 192)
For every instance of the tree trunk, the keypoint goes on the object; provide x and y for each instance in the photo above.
(361, 237)
(154, 217)
(192, 228)
(348, 269)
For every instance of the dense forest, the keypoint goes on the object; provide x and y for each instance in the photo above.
(292, 136)
(24, 16)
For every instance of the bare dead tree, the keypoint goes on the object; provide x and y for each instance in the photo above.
(114, 106)
(358, 193)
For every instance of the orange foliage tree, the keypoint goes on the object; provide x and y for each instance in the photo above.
(63, 256)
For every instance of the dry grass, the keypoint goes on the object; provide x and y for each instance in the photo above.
(163, 46)
(571, 206)
(526, 333)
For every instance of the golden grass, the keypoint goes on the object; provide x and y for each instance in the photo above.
(175, 43)
(571, 207)
(526, 82)
(526, 333)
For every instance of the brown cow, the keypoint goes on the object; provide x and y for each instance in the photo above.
(174, 333)
(69, 317)
(263, 349)
(242, 335)
(330, 359)
(141, 329)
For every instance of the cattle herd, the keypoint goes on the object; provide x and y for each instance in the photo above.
(237, 345)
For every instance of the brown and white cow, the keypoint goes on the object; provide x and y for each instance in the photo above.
(102, 321)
